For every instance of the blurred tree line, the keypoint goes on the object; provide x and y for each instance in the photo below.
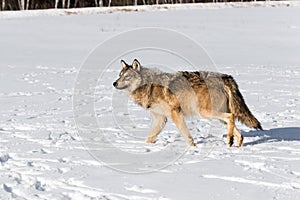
(46, 4)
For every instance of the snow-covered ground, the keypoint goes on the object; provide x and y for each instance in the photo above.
(44, 156)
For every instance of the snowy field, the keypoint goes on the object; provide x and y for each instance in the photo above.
(43, 154)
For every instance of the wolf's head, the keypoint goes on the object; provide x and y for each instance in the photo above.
(129, 77)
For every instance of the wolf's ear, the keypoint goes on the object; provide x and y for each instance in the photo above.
(124, 64)
(136, 65)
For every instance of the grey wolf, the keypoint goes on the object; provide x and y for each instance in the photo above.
(211, 95)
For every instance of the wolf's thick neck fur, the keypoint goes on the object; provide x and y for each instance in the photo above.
(155, 76)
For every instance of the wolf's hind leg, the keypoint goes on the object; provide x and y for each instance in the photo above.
(237, 135)
(158, 123)
(178, 119)
(228, 118)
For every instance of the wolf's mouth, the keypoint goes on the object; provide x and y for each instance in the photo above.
(115, 84)
(121, 88)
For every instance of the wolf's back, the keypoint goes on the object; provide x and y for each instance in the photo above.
(237, 105)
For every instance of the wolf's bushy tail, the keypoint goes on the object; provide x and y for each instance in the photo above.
(237, 104)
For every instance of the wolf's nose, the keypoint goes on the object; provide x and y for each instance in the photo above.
(115, 84)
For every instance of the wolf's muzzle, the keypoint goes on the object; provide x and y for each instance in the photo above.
(115, 84)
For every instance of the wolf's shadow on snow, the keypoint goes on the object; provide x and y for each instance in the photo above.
(273, 135)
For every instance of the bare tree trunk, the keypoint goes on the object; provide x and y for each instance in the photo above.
(68, 4)
(63, 3)
(3, 4)
(56, 4)
(75, 4)
(135, 2)
(27, 4)
(109, 3)
(21, 4)
(100, 3)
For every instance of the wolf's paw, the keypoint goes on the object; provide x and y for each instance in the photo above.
(240, 141)
(150, 140)
(229, 141)
(192, 144)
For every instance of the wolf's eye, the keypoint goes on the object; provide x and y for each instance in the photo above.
(127, 78)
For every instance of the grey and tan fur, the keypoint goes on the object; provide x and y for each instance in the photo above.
(212, 95)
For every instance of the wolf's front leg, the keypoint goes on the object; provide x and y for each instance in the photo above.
(158, 123)
(178, 119)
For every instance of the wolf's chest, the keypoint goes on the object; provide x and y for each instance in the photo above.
(145, 95)
(156, 98)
